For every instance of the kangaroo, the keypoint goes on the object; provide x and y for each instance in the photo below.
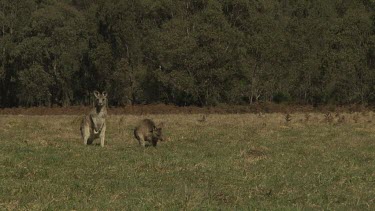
(93, 125)
(147, 133)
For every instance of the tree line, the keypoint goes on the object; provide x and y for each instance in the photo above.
(187, 52)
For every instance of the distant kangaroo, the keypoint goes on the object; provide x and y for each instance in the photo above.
(93, 125)
(147, 133)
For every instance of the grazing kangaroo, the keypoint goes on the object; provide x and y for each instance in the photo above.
(147, 133)
(93, 125)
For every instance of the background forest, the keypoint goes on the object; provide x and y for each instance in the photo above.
(197, 52)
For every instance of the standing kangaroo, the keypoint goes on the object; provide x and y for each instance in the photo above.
(93, 125)
(148, 133)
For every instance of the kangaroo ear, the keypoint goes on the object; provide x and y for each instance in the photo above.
(104, 94)
(96, 94)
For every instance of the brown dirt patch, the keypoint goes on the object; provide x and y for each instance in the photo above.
(172, 109)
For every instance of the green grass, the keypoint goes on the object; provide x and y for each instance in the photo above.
(227, 162)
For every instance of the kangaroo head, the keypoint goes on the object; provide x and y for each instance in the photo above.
(158, 132)
(100, 99)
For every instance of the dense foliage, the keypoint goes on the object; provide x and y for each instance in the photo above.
(196, 52)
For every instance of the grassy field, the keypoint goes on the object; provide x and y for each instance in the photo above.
(247, 161)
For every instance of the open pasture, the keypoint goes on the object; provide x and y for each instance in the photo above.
(243, 161)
